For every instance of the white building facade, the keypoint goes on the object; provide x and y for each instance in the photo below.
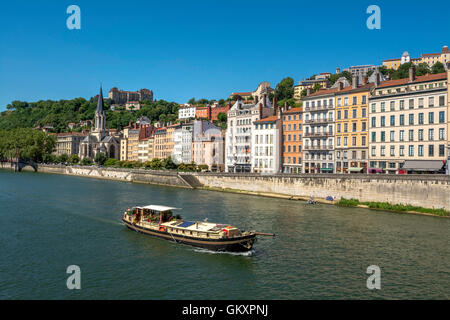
(318, 132)
(266, 145)
(186, 111)
(238, 139)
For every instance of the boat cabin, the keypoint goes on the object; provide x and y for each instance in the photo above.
(151, 213)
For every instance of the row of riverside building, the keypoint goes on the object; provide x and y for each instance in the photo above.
(396, 126)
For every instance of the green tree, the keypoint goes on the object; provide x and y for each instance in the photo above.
(111, 162)
(74, 159)
(155, 164)
(168, 163)
(285, 89)
(422, 69)
(222, 117)
(100, 158)
(317, 87)
(438, 67)
(86, 161)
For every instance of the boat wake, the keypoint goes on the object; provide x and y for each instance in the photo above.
(244, 254)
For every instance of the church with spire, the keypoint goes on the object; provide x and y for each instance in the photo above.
(99, 140)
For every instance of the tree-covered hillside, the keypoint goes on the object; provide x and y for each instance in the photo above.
(60, 113)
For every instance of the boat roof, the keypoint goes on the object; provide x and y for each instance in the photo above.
(157, 208)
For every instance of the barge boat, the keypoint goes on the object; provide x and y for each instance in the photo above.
(159, 221)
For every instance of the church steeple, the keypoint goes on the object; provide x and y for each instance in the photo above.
(100, 105)
(100, 118)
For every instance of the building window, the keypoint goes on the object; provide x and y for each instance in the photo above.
(411, 119)
(374, 122)
(383, 136)
(411, 151)
(402, 151)
(402, 119)
(402, 104)
(411, 103)
(392, 120)
(373, 151)
(441, 150)
(392, 136)
(392, 106)
(363, 126)
(431, 102)
(420, 102)
(363, 112)
(374, 107)
(392, 151)
(363, 140)
(431, 117)
(374, 136)
(420, 150)
(411, 135)
(441, 133)
(441, 116)
(431, 150)
(354, 127)
(441, 101)
(383, 107)
(382, 151)
(420, 134)
(430, 134)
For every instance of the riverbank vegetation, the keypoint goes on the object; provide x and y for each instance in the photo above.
(392, 207)
(102, 160)
(26, 143)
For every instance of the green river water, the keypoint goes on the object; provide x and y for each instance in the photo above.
(48, 222)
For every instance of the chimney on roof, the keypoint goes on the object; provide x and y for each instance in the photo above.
(364, 80)
(412, 74)
(275, 105)
(260, 109)
(264, 100)
(355, 82)
(279, 111)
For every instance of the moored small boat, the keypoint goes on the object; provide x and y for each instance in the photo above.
(159, 221)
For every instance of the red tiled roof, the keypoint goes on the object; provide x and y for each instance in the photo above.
(350, 88)
(322, 92)
(425, 78)
(398, 59)
(267, 119)
(430, 54)
(294, 110)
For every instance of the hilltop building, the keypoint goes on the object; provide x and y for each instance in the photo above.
(429, 58)
(121, 97)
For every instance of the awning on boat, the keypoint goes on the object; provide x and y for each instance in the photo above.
(158, 208)
(423, 165)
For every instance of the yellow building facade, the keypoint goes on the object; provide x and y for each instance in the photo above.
(351, 138)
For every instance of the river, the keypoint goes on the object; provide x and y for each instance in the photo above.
(49, 222)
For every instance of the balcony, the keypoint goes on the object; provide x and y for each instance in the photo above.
(319, 121)
(317, 134)
(321, 108)
(322, 147)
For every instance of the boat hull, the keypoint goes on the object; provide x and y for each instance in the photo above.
(238, 244)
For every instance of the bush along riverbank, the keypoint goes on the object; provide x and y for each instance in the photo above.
(393, 207)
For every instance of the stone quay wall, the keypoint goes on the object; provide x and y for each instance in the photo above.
(428, 191)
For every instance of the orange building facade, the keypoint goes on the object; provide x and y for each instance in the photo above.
(291, 153)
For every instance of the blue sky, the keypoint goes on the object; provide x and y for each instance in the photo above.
(201, 48)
